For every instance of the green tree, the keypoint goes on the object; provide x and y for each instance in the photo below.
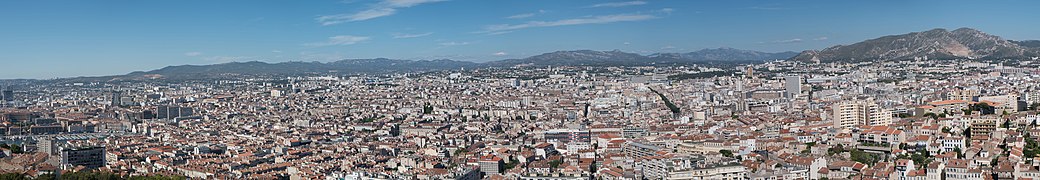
(555, 163)
(427, 109)
(668, 103)
(726, 152)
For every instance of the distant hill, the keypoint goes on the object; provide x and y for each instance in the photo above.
(730, 54)
(1028, 43)
(351, 66)
(619, 58)
(383, 65)
(933, 44)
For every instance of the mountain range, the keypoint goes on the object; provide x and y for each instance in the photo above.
(962, 43)
(383, 65)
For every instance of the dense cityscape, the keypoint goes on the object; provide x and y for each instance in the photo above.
(923, 119)
(519, 90)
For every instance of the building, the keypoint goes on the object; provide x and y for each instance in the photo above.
(116, 98)
(848, 114)
(943, 107)
(91, 157)
(170, 112)
(491, 164)
(1003, 103)
(637, 150)
(792, 86)
(984, 125)
(8, 94)
(672, 166)
(962, 94)
(567, 135)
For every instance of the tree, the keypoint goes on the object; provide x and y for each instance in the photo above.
(932, 115)
(984, 108)
(555, 163)
(13, 176)
(960, 153)
(672, 107)
(726, 152)
(863, 157)
(1034, 106)
(427, 109)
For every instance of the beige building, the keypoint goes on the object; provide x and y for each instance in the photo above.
(853, 113)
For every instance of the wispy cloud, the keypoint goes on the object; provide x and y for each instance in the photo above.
(383, 8)
(403, 35)
(502, 28)
(619, 4)
(820, 38)
(767, 8)
(786, 41)
(525, 15)
(453, 43)
(193, 54)
(667, 10)
(339, 40)
(227, 59)
(520, 16)
(500, 54)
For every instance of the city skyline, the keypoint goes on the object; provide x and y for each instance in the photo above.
(53, 39)
(520, 90)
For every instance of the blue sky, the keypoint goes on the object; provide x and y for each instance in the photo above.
(49, 38)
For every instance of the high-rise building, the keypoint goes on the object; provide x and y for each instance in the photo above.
(8, 94)
(741, 104)
(170, 112)
(91, 157)
(792, 86)
(852, 113)
(116, 98)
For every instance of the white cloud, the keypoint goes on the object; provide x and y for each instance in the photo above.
(340, 40)
(619, 4)
(383, 8)
(767, 8)
(193, 53)
(453, 43)
(493, 29)
(276, 51)
(402, 35)
(821, 38)
(525, 15)
(500, 54)
(227, 59)
(521, 16)
(668, 10)
(795, 40)
(626, 43)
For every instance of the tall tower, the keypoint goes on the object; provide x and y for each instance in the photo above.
(116, 98)
(8, 94)
(741, 105)
(792, 86)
